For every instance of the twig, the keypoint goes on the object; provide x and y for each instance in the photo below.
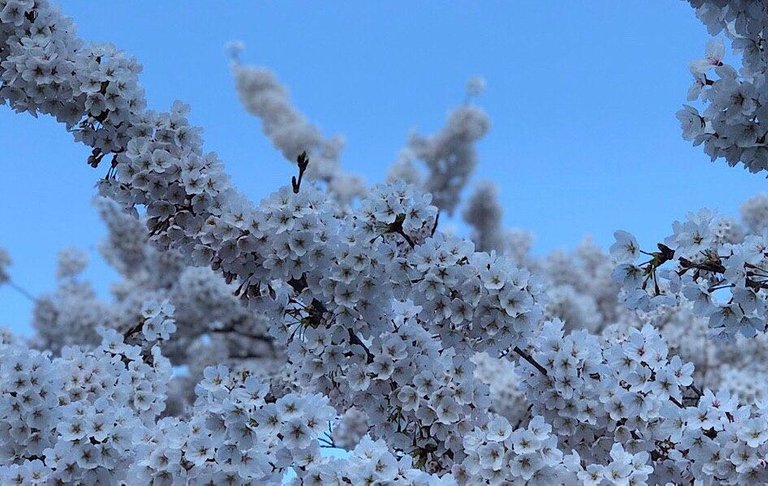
(407, 238)
(22, 291)
(303, 162)
(354, 339)
(676, 402)
(397, 228)
(530, 359)
(434, 227)
(696, 390)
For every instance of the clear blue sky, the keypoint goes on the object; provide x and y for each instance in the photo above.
(582, 97)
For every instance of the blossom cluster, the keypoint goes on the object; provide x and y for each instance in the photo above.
(483, 212)
(95, 417)
(450, 155)
(71, 263)
(91, 88)
(579, 286)
(213, 326)
(623, 391)
(732, 126)
(581, 289)
(263, 96)
(503, 380)
(73, 418)
(723, 440)
(370, 462)
(238, 433)
(72, 313)
(619, 387)
(498, 452)
(720, 271)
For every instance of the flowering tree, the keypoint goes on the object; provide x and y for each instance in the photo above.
(346, 318)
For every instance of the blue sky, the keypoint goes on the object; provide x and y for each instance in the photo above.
(582, 97)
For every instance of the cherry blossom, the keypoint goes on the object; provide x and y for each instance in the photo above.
(245, 339)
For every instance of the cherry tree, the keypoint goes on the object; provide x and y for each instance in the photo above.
(347, 318)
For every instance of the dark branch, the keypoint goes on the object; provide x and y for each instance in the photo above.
(22, 291)
(354, 339)
(530, 359)
(317, 309)
(434, 227)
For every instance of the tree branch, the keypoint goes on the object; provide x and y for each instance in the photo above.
(22, 291)
(530, 359)
(354, 339)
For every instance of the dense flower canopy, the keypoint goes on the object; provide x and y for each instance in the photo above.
(244, 339)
